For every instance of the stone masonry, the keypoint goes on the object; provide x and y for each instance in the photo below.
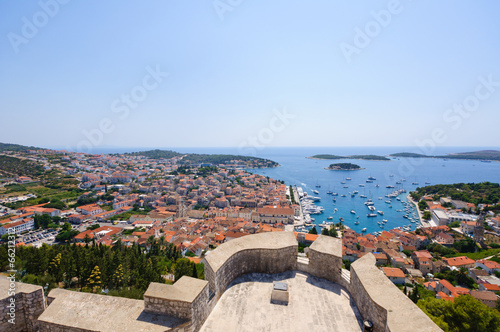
(28, 305)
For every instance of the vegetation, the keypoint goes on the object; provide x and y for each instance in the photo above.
(213, 159)
(362, 157)
(457, 277)
(464, 314)
(125, 271)
(12, 167)
(476, 193)
(409, 155)
(16, 147)
(476, 155)
(156, 154)
(344, 167)
(329, 232)
(224, 159)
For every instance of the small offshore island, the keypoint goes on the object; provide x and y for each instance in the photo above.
(361, 157)
(343, 167)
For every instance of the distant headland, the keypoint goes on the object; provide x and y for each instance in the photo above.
(485, 155)
(361, 157)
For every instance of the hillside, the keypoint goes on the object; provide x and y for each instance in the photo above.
(213, 159)
(12, 167)
(156, 154)
(477, 193)
(16, 147)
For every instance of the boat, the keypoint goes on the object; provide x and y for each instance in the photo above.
(353, 212)
(380, 212)
(329, 192)
(343, 182)
(369, 181)
(414, 183)
(377, 185)
(329, 218)
(362, 196)
(371, 215)
(427, 182)
(335, 210)
(384, 220)
(364, 229)
(371, 178)
(341, 219)
(356, 222)
(346, 186)
(388, 202)
(371, 207)
(361, 185)
(391, 175)
(315, 191)
(335, 194)
(348, 179)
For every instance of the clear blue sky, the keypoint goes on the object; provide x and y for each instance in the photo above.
(229, 71)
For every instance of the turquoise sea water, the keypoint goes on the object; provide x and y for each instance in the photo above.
(296, 169)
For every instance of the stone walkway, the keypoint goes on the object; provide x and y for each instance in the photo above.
(315, 305)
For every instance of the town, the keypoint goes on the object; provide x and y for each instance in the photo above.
(136, 200)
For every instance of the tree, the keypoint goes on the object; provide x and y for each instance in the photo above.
(94, 280)
(194, 274)
(54, 267)
(427, 215)
(463, 314)
(325, 231)
(313, 230)
(182, 268)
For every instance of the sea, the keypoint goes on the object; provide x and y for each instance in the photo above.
(403, 173)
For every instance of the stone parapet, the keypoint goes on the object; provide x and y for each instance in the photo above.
(259, 253)
(186, 299)
(26, 304)
(325, 258)
(382, 303)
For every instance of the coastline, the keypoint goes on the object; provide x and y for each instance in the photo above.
(336, 169)
(422, 222)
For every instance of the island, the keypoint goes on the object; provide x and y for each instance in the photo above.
(343, 167)
(483, 155)
(361, 157)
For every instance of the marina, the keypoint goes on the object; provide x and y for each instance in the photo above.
(392, 182)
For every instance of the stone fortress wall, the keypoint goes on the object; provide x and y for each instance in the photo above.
(28, 304)
(189, 301)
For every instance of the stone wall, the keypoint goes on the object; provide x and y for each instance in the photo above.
(325, 258)
(187, 299)
(381, 302)
(259, 253)
(29, 304)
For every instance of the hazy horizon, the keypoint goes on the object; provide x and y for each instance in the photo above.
(250, 75)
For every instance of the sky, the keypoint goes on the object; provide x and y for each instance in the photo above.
(231, 73)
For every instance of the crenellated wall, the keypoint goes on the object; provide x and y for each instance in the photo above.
(184, 306)
(28, 305)
(381, 302)
(259, 253)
